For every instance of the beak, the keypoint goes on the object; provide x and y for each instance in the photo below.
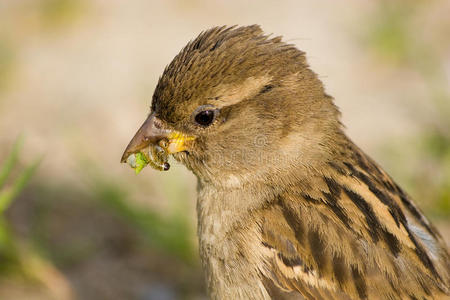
(152, 132)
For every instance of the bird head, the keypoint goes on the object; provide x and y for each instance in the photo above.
(236, 102)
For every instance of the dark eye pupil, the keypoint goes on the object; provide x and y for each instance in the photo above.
(205, 117)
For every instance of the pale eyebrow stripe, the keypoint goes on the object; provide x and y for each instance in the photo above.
(230, 94)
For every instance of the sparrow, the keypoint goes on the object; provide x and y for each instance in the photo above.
(288, 206)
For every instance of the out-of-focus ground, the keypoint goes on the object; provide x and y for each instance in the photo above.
(76, 79)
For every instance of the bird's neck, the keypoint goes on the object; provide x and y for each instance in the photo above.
(227, 231)
(220, 207)
(227, 201)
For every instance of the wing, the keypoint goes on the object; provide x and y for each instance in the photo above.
(356, 235)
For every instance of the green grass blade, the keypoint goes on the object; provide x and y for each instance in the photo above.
(11, 161)
(9, 194)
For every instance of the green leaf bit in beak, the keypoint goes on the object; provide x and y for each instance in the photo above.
(153, 155)
(140, 162)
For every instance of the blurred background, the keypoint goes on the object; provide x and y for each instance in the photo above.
(76, 80)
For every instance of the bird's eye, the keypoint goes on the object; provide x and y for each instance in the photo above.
(205, 117)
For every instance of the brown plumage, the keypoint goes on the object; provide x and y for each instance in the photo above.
(288, 207)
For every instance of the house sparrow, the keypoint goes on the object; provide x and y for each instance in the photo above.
(288, 206)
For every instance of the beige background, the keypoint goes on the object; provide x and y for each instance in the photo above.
(78, 80)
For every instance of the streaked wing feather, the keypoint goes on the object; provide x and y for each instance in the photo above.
(357, 236)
